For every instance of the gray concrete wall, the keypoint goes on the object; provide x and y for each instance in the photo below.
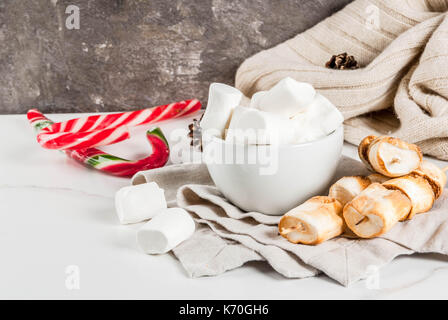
(130, 54)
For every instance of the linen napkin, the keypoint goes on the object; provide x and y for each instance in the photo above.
(228, 237)
(401, 88)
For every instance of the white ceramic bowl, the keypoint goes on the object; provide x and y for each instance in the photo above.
(273, 185)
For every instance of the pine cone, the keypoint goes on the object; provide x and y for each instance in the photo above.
(342, 62)
(195, 134)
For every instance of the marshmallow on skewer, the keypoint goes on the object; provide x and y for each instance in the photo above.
(363, 149)
(252, 126)
(376, 210)
(165, 231)
(222, 99)
(434, 175)
(347, 188)
(316, 220)
(288, 98)
(378, 178)
(390, 156)
(417, 189)
(140, 202)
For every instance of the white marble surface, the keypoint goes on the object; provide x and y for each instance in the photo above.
(56, 213)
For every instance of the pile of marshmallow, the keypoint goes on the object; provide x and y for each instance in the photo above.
(291, 112)
(166, 228)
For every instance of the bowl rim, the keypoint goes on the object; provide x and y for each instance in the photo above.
(281, 146)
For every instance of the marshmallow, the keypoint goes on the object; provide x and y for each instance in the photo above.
(320, 119)
(222, 99)
(255, 100)
(288, 98)
(237, 113)
(165, 231)
(331, 117)
(304, 131)
(252, 126)
(140, 202)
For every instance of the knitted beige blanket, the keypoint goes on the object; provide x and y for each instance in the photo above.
(401, 88)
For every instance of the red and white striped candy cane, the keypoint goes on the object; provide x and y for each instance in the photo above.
(101, 130)
(108, 163)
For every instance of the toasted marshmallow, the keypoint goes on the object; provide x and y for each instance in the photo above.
(347, 188)
(222, 99)
(393, 157)
(434, 175)
(287, 98)
(165, 231)
(316, 220)
(252, 126)
(363, 151)
(140, 202)
(376, 210)
(417, 189)
(377, 177)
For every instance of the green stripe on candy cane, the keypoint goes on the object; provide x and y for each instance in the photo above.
(108, 163)
(118, 166)
(42, 124)
(97, 161)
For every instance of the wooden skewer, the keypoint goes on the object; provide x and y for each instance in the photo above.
(362, 220)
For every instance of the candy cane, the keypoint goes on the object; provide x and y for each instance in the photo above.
(100, 130)
(106, 162)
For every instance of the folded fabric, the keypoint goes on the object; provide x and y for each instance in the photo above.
(402, 86)
(179, 175)
(229, 237)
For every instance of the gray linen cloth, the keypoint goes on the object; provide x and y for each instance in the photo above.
(227, 237)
